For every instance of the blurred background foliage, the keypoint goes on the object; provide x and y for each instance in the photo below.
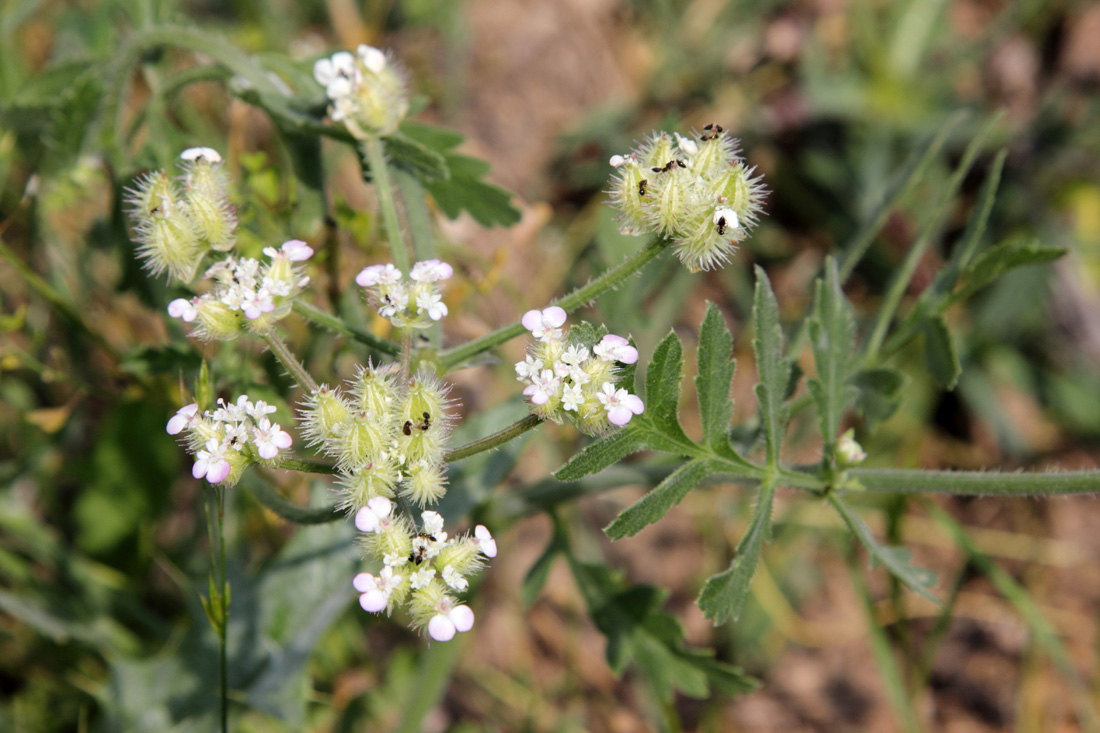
(103, 542)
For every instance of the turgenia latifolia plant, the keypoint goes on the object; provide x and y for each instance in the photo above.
(384, 435)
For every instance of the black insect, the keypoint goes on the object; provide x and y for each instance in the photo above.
(641, 186)
(417, 556)
(407, 430)
(668, 166)
(713, 132)
(721, 225)
(427, 422)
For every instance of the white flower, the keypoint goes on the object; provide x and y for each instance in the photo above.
(294, 250)
(544, 325)
(259, 410)
(620, 405)
(182, 418)
(183, 308)
(848, 451)
(450, 620)
(452, 578)
(421, 578)
(211, 462)
(574, 355)
(617, 161)
(484, 541)
(615, 348)
(528, 368)
(572, 397)
(686, 145)
(543, 387)
(208, 154)
(375, 592)
(385, 274)
(430, 271)
(433, 304)
(372, 58)
(270, 439)
(394, 559)
(433, 525)
(371, 517)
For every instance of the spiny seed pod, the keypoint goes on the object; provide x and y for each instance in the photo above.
(360, 441)
(359, 486)
(424, 484)
(375, 390)
(206, 188)
(322, 415)
(216, 321)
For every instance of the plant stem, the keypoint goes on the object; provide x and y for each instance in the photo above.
(332, 323)
(306, 465)
(977, 483)
(376, 156)
(289, 361)
(224, 598)
(489, 442)
(263, 493)
(452, 358)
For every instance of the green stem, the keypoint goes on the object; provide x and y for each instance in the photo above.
(332, 323)
(453, 358)
(289, 361)
(489, 442)
(306, 465)
(224, 598)
(376, 156)
(976, 483)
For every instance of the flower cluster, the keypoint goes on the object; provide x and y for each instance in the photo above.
(388, 435)
(226, 440)
(414, 303)
(177, 221)
(574, 380)
(246, 293)
(421, 567)
(696, 191)
(367, 90)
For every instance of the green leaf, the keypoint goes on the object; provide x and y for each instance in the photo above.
(413, 156)
(723, 596)
(773, 369)
(70, 121)
(536, 577)
(662, 387)
(660, 500)
(879, 392)
(894, 559)
(940, 353)
(832, 334)
(998, 260)
(463, 189)
(712, 384)
(602, 453)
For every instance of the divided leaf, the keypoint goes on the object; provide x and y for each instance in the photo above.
(599, 455)
(832, 334)
(723, 596)
(660, 500)
(773, 369)
(998, 260)
(712, 384)
(662, 388)
(894, 559)
(417, 158)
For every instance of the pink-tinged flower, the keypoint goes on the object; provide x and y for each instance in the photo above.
(211, 462)
(620, 405)
(296, 250)
(430, 271)
(184, 308)
(375, 592)
(542, 387)
(182, 418)
(443, 626)
(529, 367)
(544, 325)
(257, 302)
(270, 439)
(484, 541)
(615, 348)
(385, 274)
(371, 517)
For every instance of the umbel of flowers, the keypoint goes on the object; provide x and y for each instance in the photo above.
(407, 303)
(367, 90)
(697, 191)
(569, 380)
(177, 221)
(423, 569)
(246, 293)
(226, 440)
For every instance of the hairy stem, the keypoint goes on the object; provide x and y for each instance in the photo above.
(453, 358)
(332, 323)
(376, 156)
(489, 442)
(289, 361)
(977, 483)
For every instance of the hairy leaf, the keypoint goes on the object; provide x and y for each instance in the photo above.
(723, 596)
(832, 334)
(772, 367)
(894, 559)
(602, 453)
(712, 384)
(940, 353)
(411, 155)
(657, 502)
(879, 392)
(662, 388)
